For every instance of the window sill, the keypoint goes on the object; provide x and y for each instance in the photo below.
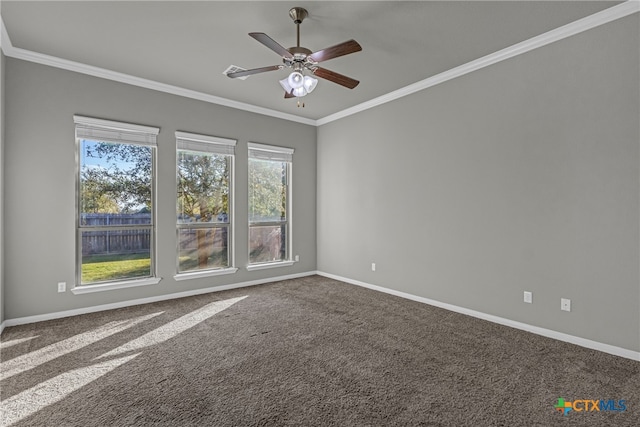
(264, 266)
(88, 289)
(209, 273)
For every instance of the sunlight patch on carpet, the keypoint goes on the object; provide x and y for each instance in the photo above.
(46, 354)
(173, 328)
(54, 390)
(6, 344)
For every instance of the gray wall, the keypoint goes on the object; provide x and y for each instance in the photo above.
(521, 176)
(40, 195)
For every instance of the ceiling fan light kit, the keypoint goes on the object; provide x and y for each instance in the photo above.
(301, 59)
(298, 85)
(295, 79)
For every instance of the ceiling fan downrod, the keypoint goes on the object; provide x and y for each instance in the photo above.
(298, 14)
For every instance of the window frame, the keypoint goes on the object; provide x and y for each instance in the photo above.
(205, 144)
(100, 130)
(280, 154)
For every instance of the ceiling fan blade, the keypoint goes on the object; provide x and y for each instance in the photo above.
(254, 71)
(341, 49)
(335, 77)
(272, 44)
(288, 95)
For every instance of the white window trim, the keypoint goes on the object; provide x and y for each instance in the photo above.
(264, 266)
(205, 138)
(127, 133)
(110, 286)
(201, 141)
(107, 130)
(205, 143)
(204, 273)
(271, 148)
(288, 152)
(116, 126)
(275, 153)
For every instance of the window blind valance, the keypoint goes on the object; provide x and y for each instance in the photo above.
(270, 152)
(210, 144)
(110, 131)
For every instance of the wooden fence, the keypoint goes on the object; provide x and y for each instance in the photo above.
(267, 243)
(112, 242)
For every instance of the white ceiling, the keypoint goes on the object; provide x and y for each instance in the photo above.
(189, 44)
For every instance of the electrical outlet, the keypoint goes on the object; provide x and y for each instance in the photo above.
(297, 258)
(373, 266)
(528, 297)
(565, 304)
(62, 286)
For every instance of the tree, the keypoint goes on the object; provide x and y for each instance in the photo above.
(93, 201)
(123, 178)
(267, 205)
(203, 185)
(203, 195)
(267, 190)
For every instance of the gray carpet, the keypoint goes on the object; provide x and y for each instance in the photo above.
(304, 352)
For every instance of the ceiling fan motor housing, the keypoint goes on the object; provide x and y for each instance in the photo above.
(300, 55)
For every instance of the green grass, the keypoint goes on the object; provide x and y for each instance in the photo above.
(100, 268)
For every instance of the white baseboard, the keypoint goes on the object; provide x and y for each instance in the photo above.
(583, 342)
(94, 309)
(594, 345)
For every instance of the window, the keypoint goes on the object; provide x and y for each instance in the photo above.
(204, 202)
(269, 205)
(116, 205)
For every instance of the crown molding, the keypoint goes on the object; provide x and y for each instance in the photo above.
(613, 13)
(573, 28)
(4, 37)
(52, 61)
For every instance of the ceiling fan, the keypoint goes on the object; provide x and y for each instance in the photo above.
(301, 59)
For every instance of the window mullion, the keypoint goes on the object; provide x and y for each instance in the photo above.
(266, 224)
(116, 227)
(194, 225)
